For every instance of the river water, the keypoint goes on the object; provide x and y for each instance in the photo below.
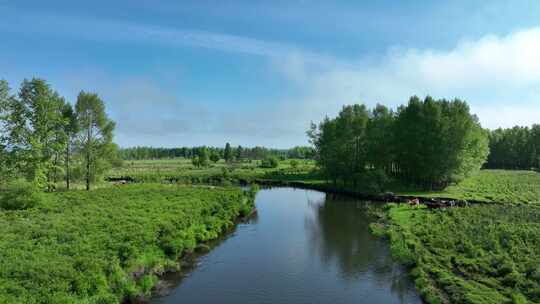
(303, 246)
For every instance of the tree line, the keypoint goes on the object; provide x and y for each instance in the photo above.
(227, 152)
(428, 142)
(514, 148)
(44, 139)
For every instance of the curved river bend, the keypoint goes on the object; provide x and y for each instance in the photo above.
(303, 247)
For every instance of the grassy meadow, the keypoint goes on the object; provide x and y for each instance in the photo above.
(108, 244)
(181, 170)
(479, 254)
(503, 186)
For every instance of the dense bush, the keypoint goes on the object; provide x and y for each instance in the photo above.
(19, 195)
(108, 244)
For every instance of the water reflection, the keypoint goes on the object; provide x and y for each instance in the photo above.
(338, 231)
(302, 247)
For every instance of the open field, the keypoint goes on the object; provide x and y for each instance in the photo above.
(108, 244)
(503, 186)
(181, 170)
(480, 254)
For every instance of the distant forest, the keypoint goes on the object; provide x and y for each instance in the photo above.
(514, 148)
(236, 153)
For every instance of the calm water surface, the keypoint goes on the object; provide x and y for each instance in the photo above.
(303, 247)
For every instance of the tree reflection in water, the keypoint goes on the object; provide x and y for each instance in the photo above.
(338, 230)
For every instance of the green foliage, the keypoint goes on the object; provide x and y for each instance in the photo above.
(514, 148)
(270, 162)
(19, 195)
(227, 154)
(95, 132)
(293, 163)
(105, 245)
(214, 157)
(429, 143)
(480, 254)
(33, 130)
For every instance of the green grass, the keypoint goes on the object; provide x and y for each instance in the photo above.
(487, 185)
(480, 254)
(493, 186)
(108, 244)
(181, 171)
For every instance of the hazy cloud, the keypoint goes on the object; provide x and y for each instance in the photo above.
(498, 76)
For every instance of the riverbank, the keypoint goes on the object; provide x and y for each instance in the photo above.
(486, 186)
(480, 254)
(110, 244)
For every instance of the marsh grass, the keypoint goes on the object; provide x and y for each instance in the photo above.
(108, 244)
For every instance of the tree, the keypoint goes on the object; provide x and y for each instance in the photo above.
(30, 125)
(95, 133)
(270, 162)
(227, 154)
(426, 142)
(203, 156)
(5, 100)
(214, 157)
(71, 128)
(239, 153)
(380, 138)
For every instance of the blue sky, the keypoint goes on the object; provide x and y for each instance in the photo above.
(175, 73)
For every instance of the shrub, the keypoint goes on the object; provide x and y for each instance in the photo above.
(294, 163)
(19, 195)
(270, 162)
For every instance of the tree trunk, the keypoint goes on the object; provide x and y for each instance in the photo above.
(88, 158)
(67, 166)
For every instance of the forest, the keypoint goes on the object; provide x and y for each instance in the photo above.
(227, 152)
(514, 148)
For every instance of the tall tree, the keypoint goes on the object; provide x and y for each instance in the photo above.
(95, 133)
(30, 124)
(380, 139)
(71, 129)
(227, 153)
(5, 100)
(203, 156)
(427, 142)
(239, 153)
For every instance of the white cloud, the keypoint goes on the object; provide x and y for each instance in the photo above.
(498, 76)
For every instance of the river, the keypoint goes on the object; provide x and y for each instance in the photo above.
(303, 246)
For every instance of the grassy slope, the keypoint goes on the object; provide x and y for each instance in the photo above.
(107, 244)
(481, 254)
